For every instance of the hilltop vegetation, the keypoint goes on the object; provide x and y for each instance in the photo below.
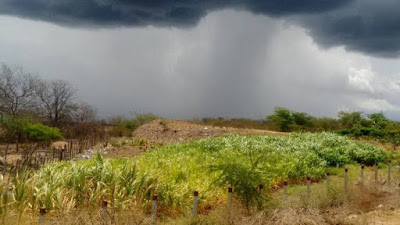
(374, 126)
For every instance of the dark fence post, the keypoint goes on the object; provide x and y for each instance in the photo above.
(362, 174)
(285, 191)
(42, 213)
(229, 202)
(195, 203)
(154, 208)
(346, 179)
(389, 171)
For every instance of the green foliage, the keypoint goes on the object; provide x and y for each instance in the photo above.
(21, 129)
(38, 132)
(12, 128)
(288, 120)
(282, 117)
(175, 171)
(379, 120)
(302, 119)
(351, 119)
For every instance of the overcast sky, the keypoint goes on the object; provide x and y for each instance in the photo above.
(198, 58)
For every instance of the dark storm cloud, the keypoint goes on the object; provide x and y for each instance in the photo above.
(150, 12)
(368, 26)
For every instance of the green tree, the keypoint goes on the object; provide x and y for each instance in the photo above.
(379, 120)
(352, 119)
(12, 129)
(302, 119)
(282, 117)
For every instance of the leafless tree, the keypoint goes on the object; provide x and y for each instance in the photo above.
(17, 90)
(84, 112)
(56, 100)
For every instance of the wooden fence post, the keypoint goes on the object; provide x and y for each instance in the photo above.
(346, 179)
(195, 203)
(17, 164)
(389, 171)
(54, 153)
(308, 186)
(285, 193)
(328, 180)
(104, 213)
(362, 174)
(154, 208)
(42, 213)
(62, 155)
(376, 173)
(229, 202)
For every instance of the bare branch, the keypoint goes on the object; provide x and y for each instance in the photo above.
(17, 90)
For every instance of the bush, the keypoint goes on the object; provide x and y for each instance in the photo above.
(282, 117)
(38, 132)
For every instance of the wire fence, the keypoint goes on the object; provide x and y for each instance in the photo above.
(67, 152)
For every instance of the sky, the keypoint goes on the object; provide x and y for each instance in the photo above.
(208, 58)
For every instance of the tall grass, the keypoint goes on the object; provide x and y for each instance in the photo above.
(175, 171)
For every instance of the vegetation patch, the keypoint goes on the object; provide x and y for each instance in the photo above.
(175, 171)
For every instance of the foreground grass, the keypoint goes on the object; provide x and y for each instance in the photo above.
(361, 204)
(174, 172)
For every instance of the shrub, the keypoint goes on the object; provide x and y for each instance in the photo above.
(38, 132)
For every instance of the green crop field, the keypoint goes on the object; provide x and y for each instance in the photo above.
(175, 171)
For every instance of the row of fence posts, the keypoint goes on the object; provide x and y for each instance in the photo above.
(65, 153)
(230, 189)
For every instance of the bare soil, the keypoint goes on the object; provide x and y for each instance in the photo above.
(170, 131)
(125, 151)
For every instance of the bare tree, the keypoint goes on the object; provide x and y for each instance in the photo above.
(84, 112)
(57, 100)
(17, 90)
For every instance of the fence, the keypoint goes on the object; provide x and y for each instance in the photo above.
(57, 154)
(285, 185)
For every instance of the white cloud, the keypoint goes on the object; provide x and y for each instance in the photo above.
(377, 105)
(395, 85)
(360, 80)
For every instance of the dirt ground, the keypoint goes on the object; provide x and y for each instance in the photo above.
(124, 151)
(383, 217)
(169, 131)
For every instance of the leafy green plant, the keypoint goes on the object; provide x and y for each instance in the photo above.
(282, 117)
(41, 133)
